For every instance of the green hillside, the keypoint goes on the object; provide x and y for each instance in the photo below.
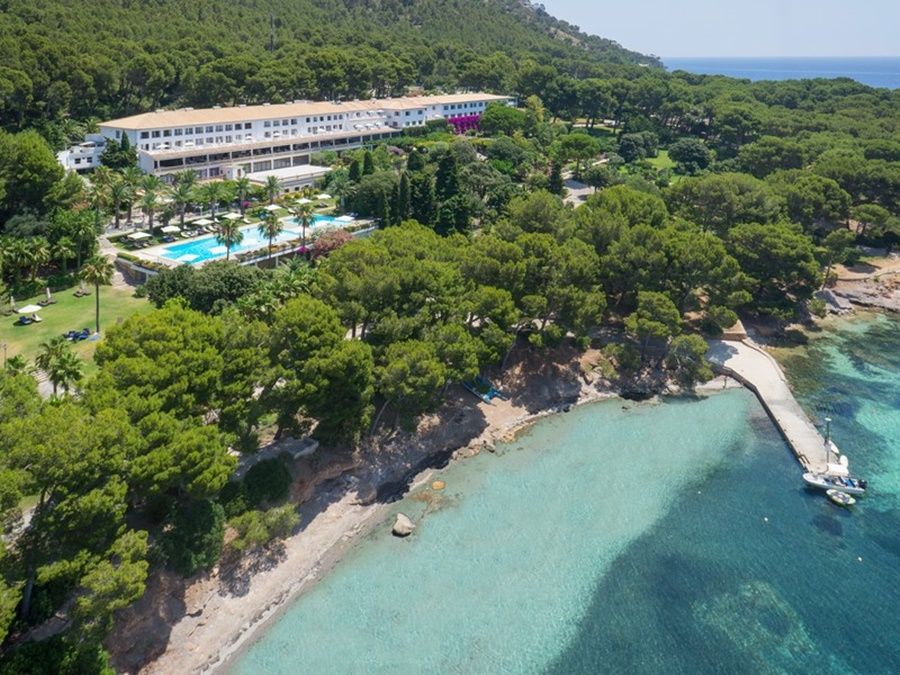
(62, 59)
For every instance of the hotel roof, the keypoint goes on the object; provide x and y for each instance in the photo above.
(187, 116)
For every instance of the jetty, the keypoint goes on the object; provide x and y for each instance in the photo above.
(752, 366)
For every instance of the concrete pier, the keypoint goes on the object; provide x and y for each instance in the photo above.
(750, 365)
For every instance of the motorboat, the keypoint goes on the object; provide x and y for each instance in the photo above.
(825, 481)
(836, 477)
(840, 498)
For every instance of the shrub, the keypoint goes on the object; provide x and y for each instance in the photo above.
(269, 481)
(258, 528)
(233, 499)
(192, 536)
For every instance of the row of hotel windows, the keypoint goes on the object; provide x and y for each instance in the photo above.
(166, 133)
(219, 140)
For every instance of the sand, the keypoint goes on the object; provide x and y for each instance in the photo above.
(198, 625)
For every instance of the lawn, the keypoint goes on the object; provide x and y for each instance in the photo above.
(69, 313)
(661, 161)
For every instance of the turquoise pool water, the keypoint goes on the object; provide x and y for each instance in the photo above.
(201, 249)
(635, 538)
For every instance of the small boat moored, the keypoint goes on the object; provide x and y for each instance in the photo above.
(840, 498)
(824, 481)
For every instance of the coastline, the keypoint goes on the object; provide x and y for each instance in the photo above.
(379, 515)
(216, 623)
(216, 616)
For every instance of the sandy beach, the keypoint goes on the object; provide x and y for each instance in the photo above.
(198, 625)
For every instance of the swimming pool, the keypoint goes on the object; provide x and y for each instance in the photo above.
(202, 249)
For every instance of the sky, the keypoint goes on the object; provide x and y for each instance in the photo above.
(729, 28)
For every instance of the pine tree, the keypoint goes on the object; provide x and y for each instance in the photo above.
(384, 209)
(423, 205)
(556, 181)
(355, 171)
(368, 166)
(415, 162)
(447, 178)
(404, 198)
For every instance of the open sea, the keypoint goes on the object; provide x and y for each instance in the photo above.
(873, 71)
(668, 537)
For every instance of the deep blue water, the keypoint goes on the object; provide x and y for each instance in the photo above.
(636, 538)
(873, 71)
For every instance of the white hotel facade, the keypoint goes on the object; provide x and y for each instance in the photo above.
(245, 140)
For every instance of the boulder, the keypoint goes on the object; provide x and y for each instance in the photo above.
(438, 485)
(403, 526)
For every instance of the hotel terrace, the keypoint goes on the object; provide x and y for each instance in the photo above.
(236, 141)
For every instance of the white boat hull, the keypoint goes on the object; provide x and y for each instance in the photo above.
(849, 486)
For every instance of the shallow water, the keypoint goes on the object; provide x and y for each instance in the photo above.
(640, 538)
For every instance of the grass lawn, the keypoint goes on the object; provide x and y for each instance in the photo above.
(70, 313)
(661, 161)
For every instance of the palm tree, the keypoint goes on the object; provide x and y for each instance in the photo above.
(18, 256)
(340, 186)
(39, 254)
(270, 227)
(212, 194)
(50, 352)
(186, 177)
(304, 215)
(103, 176)
(182, 196)
(149, 204)
(229, 235)
(272, 188)
(151, 184)
(241, 190)
(63, 251)
(131, 176)
(17, 365)
(97, 271)
(119, 193)
(66, 371)
(84, 232)
(98, 197)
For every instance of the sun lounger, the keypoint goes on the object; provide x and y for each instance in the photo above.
(23, 321)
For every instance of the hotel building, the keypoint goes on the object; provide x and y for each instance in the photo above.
(250, 140)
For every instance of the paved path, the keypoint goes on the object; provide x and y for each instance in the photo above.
(759, 372)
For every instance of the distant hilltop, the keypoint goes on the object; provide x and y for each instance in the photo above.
(77, 61)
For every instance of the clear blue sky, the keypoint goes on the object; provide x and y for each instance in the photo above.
(749, 28)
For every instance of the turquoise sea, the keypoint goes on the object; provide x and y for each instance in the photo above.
(671, 537)
(881, 71)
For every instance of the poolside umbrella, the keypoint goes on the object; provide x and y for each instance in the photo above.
(30, 309)
(324, 195)
(203, 222)
(232, 216)
(49, 297)
(139, 235)
(303, 200)
(12, 302)
(272, 207)
(170, 229)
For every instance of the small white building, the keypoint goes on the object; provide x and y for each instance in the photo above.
(291, 178)
(234, 141)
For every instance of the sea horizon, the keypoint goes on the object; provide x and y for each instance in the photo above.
(874, 71)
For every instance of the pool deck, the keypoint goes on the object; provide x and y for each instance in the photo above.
(156, 254)
(750, 365)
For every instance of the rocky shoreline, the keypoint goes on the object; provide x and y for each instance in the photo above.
(200, 625)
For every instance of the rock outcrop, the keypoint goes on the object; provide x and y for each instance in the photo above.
(403, 526)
